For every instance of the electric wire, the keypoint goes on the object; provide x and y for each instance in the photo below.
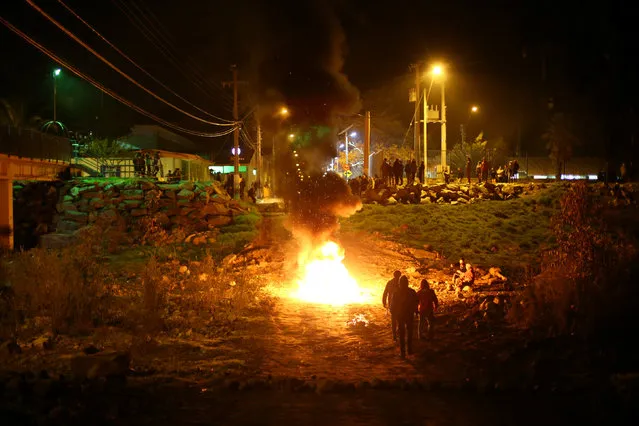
(118, 70)
(104, 89)
(153, 39)
(162, 31)
(96, 32)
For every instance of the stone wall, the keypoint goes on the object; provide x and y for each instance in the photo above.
(198, 206)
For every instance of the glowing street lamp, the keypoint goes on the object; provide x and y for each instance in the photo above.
(437, 70)
(56, 74)
(291, 136)
(474, 108)
(239, 151)
(353, 134)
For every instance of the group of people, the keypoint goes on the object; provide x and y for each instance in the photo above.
(464, 276)
(404, 303)
(146, 164)
(393, 172)
(486, 173)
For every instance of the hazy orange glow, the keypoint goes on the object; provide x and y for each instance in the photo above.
(325, 280)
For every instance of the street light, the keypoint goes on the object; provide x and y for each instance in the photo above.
(284, 111)
(353, 134)
(474, 108)
(56, 74)
(437, 71)
(291, 136)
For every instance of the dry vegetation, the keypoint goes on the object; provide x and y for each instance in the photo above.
(101, 288)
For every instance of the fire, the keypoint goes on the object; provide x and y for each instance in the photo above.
(325, 279)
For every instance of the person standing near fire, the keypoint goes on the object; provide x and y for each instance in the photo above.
(387, 299)
(403, 308)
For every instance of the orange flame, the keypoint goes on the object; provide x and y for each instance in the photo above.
(325, 279)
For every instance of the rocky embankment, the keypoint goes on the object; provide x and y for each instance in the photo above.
(447, 193)
(34, 211)
(197, 206)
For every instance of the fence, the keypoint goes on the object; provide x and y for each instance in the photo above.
(29, 143)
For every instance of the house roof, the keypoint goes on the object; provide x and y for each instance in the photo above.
(179, 155)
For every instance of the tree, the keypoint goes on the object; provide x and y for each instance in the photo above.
(476, 150)
(559, 142)
(106, 152)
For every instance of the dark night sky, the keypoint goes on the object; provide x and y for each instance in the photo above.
(494, 51)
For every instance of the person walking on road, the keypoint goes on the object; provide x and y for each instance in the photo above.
(387, 299)
(403, 308)
(428, 303)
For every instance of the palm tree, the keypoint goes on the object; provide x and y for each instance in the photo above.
(559, 141)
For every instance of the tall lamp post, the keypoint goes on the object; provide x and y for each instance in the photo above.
(283, 113)
(56, 74)
(435, 72)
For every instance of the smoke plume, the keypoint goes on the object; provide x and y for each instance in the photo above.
(300, 66)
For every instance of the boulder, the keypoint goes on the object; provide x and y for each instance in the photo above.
(161, 219)
(215, 209)
(187, 185)
(130, 204)
(133, 194)
(391, 201)
(146, 185)
(217, 221)
(75, 216)
(168, 186)
(170, 194)
(186, 194)
(68, 226)
(92, 194)
(96, 203)
(105, 364)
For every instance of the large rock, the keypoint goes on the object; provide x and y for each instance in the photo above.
(106, 364)
(186, 194)
(133, 194)
(68, 226)
(169, 186)
(75, 216)
(189, 186)
(216, 221)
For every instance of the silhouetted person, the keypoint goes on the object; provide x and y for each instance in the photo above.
(404, 307)
(427, 304)
(468, 167)
(421, 172)
(387, 299)
(251, 194)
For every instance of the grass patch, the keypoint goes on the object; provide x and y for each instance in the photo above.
(510, 234)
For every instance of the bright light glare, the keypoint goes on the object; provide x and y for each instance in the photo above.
(353, 134)
(291, 136)
(341, 145)
(284, 111)
(437, 70)
(56, 72)
(474, 108)
(325, 279)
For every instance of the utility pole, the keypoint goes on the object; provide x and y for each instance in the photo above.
(367, 142)
(346, 165)
(417, 118)
(236, 139)
(236, 133)
(425, 136)
(443, 118)
(259, 155)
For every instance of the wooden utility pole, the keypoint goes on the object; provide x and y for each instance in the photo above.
(417, 117)
(236, 134)
(259, 154)
(367, 142)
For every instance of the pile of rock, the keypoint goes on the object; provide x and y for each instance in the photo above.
(201, 205)
(616, 194)
(447, 193)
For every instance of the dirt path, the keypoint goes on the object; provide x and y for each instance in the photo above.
(354, 343)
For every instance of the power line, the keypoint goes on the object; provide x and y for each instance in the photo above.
(104, 89)
(169, 40)
(135, 63)
(155, 41)
(118, 70)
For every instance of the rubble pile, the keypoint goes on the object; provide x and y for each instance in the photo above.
(123, 203)
(452, 193)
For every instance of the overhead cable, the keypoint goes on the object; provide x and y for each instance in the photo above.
(119, 71)
(104, 89)
(70, 10)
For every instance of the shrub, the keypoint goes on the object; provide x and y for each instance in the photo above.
(585, 279)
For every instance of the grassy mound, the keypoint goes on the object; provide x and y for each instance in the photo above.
(509, 234)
